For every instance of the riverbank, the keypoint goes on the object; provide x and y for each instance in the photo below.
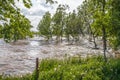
(75, 68)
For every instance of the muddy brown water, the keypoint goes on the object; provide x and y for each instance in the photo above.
(19, 58)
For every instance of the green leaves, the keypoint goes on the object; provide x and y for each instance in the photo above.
(79, 69)
(44, 26)
(15, 26)
(18, 28)
(61, 24)
(51, 1)
(115, 23)
(27, 3)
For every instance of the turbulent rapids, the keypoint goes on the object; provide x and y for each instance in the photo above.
(19, 58)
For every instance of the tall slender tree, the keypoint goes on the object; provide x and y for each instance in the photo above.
(58, 21)
(44, 26)
(100, 6)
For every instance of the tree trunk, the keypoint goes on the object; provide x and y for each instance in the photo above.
(81, 31)
(94, 41)
(104, 43)
(104, 33)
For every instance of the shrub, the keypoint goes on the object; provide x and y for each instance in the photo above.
(75, 68)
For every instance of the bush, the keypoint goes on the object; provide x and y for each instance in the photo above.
(75, 68)
(93, 68)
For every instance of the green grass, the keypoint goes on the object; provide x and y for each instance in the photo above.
(93, 68)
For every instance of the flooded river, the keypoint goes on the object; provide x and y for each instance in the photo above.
(19, 58)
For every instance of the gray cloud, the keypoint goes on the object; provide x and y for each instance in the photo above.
(35, 13)
(38, 13)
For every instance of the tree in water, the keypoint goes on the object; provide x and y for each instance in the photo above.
(44, 26)
(58, 22)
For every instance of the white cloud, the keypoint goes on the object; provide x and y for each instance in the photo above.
(34, 21)
(73, 4)
(35, 13)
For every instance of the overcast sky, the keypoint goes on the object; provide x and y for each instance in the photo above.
(35, 13)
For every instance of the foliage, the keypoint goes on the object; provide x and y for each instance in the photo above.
(13, 24)
(51, 1)
(115, 24)
(8, 7)
(18, 28)
(44, 26)
(76, 68)
(103, 16)
(80, 69)
(94, 18)
(58, 21)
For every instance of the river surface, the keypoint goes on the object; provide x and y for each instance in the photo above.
(19, 58)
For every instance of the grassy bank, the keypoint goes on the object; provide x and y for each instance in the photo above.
(73, 68)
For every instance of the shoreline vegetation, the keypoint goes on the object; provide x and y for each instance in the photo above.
(74, 68)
